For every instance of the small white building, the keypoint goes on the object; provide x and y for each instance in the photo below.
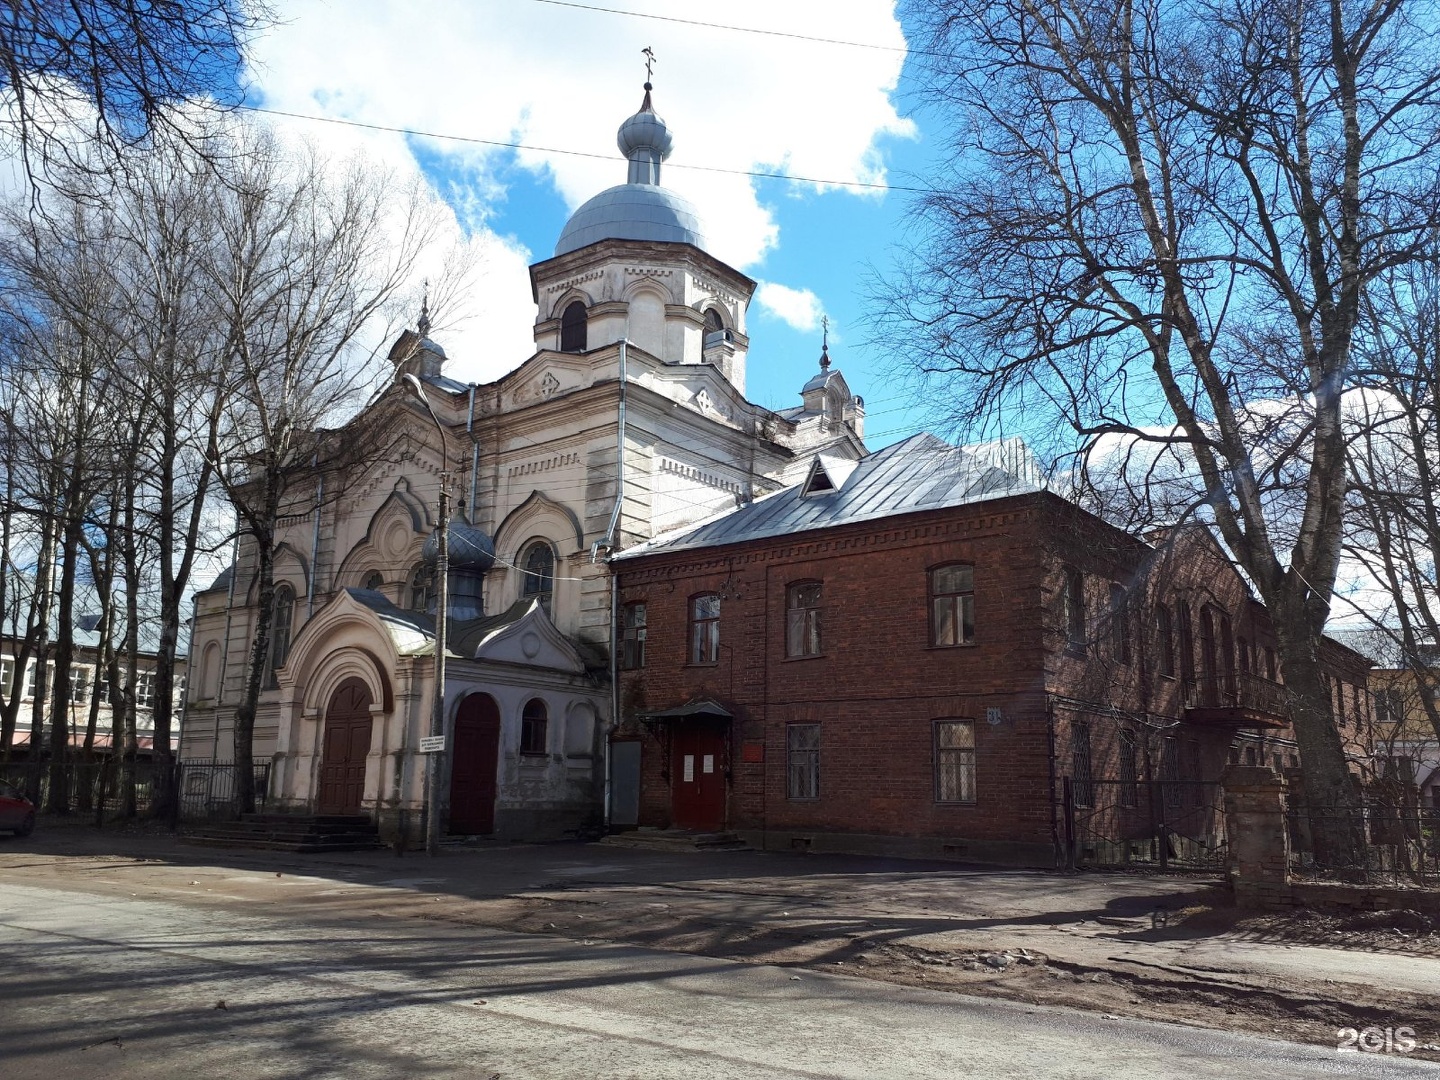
(630, 419)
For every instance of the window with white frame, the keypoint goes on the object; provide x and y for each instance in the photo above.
(955, 761)
(145, 690)
(802, 777)
(79, 684)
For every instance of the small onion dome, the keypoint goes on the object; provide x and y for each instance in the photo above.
(470, 549)
(645, 131)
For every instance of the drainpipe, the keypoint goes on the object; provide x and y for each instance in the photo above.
(225, 644)
(609, 541)
(474, 453)
(315, 540)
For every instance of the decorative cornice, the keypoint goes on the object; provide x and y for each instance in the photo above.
(555, 461)
(690, 472)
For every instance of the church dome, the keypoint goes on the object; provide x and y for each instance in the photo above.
(632, 212)
(639, 209)
(470, 548)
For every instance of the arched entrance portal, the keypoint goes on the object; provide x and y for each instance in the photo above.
(347, 743)
(476, 758)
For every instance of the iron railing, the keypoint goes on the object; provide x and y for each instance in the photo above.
(1398, 846)
(1159, 824)
(206, 789)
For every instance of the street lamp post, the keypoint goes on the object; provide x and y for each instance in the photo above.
(434, 763)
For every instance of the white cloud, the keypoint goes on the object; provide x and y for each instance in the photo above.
(552, 76)
(800, 308)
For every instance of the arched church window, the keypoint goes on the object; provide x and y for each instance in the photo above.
(420, 588)
(534, 728)
(714, 328)
(572, 328)
(282, 616)
(538, 564)
(375, 581)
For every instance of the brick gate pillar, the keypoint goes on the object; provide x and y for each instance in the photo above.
(1259, 842)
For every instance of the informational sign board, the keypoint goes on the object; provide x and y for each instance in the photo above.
(432, 744)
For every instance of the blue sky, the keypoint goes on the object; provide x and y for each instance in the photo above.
(551, 73)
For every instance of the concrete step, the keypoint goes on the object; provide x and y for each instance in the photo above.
(289, 832)
(676, 840)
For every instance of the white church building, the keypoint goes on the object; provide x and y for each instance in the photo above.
(630, 419)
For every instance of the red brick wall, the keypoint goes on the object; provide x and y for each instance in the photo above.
(878, 685)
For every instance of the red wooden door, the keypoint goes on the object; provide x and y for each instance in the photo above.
(476, 759)
(697, 777)
(346, 746)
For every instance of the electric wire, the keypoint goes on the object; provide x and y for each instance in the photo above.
(863, 185)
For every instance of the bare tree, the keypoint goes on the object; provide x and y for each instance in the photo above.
(308, 259)
(1157, 225)
(1393, 525)
(116, 67)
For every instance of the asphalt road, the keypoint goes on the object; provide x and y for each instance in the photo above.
(116, 987)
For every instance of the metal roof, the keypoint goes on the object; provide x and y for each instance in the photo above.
(697, 707)
(920, 473)
(632, 212)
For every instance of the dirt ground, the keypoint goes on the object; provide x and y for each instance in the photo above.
(1167, 949)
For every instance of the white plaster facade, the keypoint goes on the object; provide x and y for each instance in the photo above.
(537, 458)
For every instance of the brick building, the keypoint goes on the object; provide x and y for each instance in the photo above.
(927, 653)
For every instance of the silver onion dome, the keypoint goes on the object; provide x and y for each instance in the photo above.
(639, 209)
(470, 548)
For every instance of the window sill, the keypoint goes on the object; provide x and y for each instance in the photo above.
(534, 760)
(956, 802)
(932, 647)
(702, 663)
(807, 656)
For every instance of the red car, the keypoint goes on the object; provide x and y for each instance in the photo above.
(17, 813)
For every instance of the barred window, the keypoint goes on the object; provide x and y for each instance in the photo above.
(705, 629)
(952, 605)
(632, 644)
(1074, 607)
(1129, 769)
(802, 619)
(1167, 641)
(955, 761)
(1119, 624)
(1082, 784)
(803, 772)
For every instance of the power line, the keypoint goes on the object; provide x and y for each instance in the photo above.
(502, 145)
(738, 29)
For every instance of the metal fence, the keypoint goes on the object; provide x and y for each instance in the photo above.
(93, 786)
(1159, 824)
(206, 788)
(1399, 845)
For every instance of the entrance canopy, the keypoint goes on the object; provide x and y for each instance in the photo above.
(700, 707)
